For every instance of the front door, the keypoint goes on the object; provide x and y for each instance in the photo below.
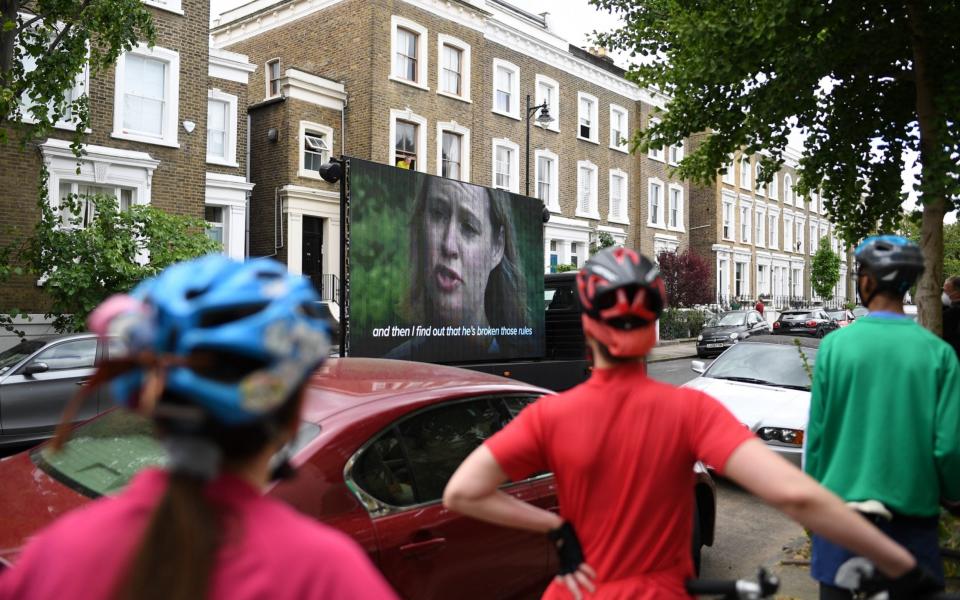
(313, 251)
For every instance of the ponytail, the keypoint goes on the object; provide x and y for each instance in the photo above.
(178, 553)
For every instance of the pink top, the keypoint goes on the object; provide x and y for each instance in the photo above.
(271, 551)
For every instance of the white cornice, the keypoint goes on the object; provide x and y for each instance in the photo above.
(315, 90)
(54, 148)
(230, 65)
(228, 182)
(256, 17)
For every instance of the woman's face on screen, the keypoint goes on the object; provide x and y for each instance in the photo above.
(461, 250)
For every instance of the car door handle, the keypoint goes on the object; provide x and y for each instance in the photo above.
(83, 382)
(424, 546)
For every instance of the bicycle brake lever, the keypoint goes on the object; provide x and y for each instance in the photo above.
(769, 583)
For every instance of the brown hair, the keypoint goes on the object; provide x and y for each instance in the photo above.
(505, 296)
(178, 552)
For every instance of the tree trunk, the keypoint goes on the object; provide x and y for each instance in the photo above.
(8, 39)
(934, 202)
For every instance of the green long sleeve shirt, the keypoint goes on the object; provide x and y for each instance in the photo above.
(885, 416)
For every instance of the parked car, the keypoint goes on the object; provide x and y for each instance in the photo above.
(766, 385)
(379, 441)
(841, 317)
(728, 329)
(911, 311)
(38, 377)
(860, 311)
(811, 321)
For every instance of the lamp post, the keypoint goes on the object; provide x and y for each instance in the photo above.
(543, 118)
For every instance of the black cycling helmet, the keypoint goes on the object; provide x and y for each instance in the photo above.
(621, 288)
(894, 261)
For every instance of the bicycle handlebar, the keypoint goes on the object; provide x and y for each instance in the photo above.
(766, 585)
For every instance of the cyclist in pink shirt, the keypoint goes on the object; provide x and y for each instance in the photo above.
(218, 354)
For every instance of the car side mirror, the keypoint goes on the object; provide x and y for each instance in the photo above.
(35, 367)
(698, 366)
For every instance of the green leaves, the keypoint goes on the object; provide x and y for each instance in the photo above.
(825, 270)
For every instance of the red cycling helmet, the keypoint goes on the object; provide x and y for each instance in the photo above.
(621, 294)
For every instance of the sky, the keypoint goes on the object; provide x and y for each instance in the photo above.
(575, 20)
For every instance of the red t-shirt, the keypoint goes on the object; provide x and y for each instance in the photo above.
(622, 448)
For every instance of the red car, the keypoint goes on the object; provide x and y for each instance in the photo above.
(379, 441)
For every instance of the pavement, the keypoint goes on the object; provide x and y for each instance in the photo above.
(673, 351)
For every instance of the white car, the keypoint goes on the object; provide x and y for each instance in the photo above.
(767, 387)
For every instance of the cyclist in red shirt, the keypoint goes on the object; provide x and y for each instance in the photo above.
(622, 448)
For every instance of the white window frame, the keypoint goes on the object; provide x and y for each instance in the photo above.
(673, 187)
(514, 184)
(464, 133)
(553, 106)
(311, 127)
(593, 211)
(728, 201)
(625, 123)
(465, 62)
(396, 22)
(773, 233)
(760, 188)
(745, 283)
(788, 190)
(760, 225)
(675, 154)
(553, 202)
(657, 154)
(746, 174)
(266, 78)
(173, 6)
(745, 205)
(730, 176)
(773, 190)
(788, 231)
(171, 118)
(661, 210)
(621, 217)
(231, 143)
(814, 228)
(664, 243)
(513, 111)
(408, 115)
(801, 225)
(81, 84)
(594, 117)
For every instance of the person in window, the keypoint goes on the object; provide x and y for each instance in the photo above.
(219, 354)
(465, 272)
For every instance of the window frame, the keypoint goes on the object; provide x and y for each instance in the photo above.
(267, 78)
(222, 225)
(170, 121)
(788, 190)
(801, 226)
(553, 106)
(623, 215)
(230, 160)
(759, 188)
(773, 190)
(464, 133)
(675, 187)
(553, 202)
(172, 6)
(421, 122)
(760, 225)
(514, 184)
(513, 111)
(398, 22)
(728, 201)
(675, 154)
(625, 134)
(443, 41)
(315, 128)
(657, 154)
(660, 211)
(593, 210)
(745, 205)
(746, 174)
(594, 117)
(773, 233)
(730, 176)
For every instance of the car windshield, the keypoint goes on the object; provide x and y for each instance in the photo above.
(11, 356)
(104, 454)
(729, 319)
(838, 315)
(799, 315)
(769, 364)
(860, 311)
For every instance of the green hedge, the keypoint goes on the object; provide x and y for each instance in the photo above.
(679, 323)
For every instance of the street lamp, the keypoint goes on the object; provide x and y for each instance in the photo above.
(544, 119)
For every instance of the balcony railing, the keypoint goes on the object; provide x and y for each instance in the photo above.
(327, 285)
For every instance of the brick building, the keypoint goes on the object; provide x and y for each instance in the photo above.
(150, 140)
(762, 237)
(442, 86)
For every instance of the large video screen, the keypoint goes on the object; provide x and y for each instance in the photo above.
(441, 270)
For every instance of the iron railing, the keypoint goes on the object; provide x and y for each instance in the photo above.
(327, 285)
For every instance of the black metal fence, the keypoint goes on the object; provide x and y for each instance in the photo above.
(327, 285)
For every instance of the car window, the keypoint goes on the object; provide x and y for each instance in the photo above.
(558, 298)
(103, 454)
(733, 318)
(383, 472)
(515, 404)
(11, 356)
(76, 354)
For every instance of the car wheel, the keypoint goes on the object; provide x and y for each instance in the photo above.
(820, 333)
(695, 543)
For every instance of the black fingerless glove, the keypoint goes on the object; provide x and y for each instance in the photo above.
(913, 584)
(565, 540)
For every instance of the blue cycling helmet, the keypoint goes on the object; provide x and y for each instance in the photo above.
(893, 260)
(236, 339)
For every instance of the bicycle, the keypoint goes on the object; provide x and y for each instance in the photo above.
(859, 573)
(765, 586)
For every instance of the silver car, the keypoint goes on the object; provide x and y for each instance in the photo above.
(38, 377)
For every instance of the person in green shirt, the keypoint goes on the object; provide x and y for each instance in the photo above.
(884, 428)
